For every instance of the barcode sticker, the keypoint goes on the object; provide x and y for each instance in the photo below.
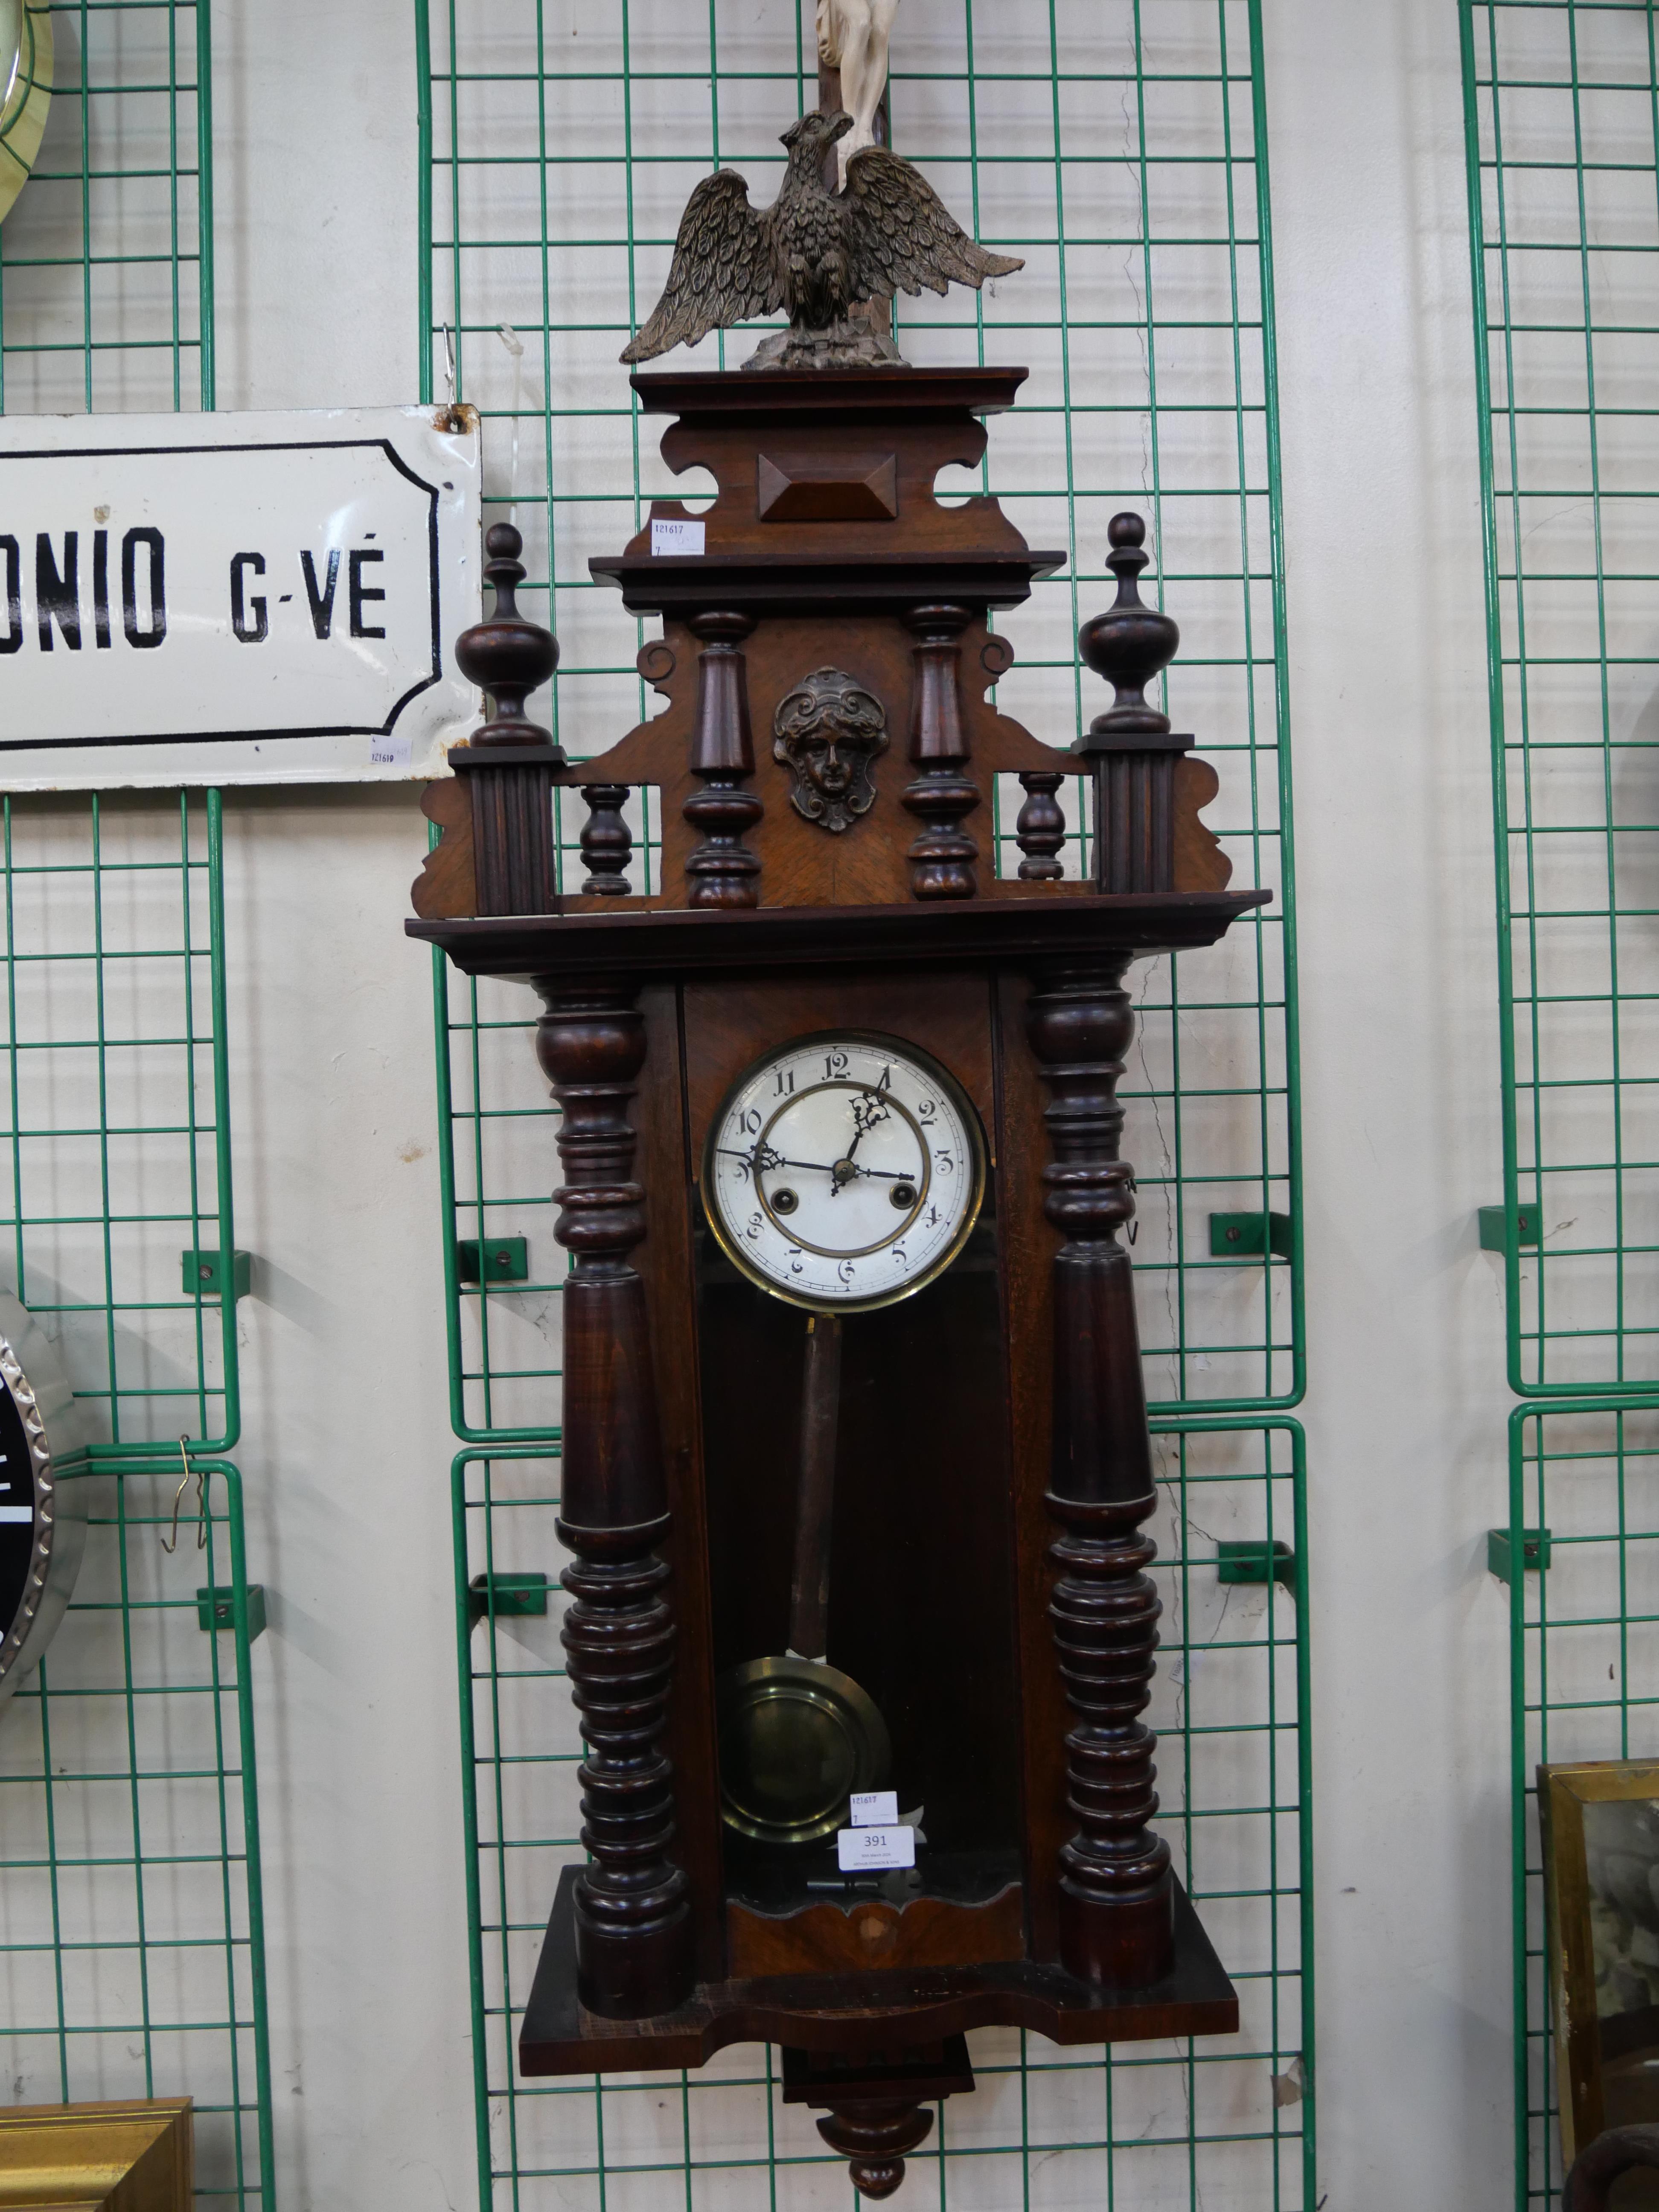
(677, 538)
(875, 1808)
(859, 1848)
(390, 750)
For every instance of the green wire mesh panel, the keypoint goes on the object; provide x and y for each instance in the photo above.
(1226, 2119)
(114, 1130)
(131, 1953)
(1585, 1677)
(105, 261)
(1120, 149)
(1562, 128)
(131, 1959)
(130, 1956)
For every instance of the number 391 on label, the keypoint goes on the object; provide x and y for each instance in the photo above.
(858, 1849)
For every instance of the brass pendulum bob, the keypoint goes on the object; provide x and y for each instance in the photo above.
(798, 1737)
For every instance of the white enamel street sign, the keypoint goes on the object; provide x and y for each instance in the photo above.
(234, 598)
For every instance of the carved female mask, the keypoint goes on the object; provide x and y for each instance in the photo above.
(830, 730)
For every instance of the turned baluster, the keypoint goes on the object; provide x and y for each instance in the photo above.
(1040, 827)
(1131, 746)
(721, 871)
(632, 1911)
(1116, 1892)
(510, 762)
(606, 840)
(941, 859)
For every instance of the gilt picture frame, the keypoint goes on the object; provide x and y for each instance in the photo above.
(137, 2154)
(1599, 1827)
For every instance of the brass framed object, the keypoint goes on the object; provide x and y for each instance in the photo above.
(1599, 1826)
(129, 2156)
(798, 1738)
(26, 59)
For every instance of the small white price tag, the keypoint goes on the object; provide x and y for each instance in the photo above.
(676, 538)
(394, 750)
(858, 1849)
(875, 1808)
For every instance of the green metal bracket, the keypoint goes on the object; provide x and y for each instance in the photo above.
(215, 1608)
(201, 1272)
(1536, 1548)
(1491, 1220)
(509, 1596)
(1249, 1235)
(1257, 1561)
(506, 1260)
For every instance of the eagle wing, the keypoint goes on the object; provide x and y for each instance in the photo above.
(903, 234)
(722, 271)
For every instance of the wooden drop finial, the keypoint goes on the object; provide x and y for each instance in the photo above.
(1129, 644)
(507, 655)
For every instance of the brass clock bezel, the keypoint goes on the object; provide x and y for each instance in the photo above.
(978, 1145)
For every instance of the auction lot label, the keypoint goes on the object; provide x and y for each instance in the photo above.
(234, 598)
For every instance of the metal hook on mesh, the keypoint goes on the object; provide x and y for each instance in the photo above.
(200, 1472)
(449, 362)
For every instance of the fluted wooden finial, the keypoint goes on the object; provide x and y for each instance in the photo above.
(507, 655)
(1129, 644)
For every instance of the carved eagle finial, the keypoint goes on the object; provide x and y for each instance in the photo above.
(814, 253)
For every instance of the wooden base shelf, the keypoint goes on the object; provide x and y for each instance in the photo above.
(868, 2012)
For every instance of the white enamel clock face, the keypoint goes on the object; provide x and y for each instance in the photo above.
(844, 1170)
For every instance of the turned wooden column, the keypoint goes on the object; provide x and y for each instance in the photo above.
(632, 1907)
(1131, 748)
(509, 763)
(722, 871)
(941, 859)
(1117, 1900)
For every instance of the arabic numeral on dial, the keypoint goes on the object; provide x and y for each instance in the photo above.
(794, 1260)
(946, 1164)
(927, 1108)
(750, 1122)
(933, 1217)
(885, 1080)
(756, 1223)
(835, 1063)
(901, 1256)
(783, 1082)
(846, 1270)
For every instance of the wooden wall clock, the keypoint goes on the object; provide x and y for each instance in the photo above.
(856, 1462)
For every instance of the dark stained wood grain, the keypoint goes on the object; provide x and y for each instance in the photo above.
(719, 870)
(631, 1904)
(508, 657)
(875, 2105)
(940, 860)
(996, 1406)
(445, 885)
(667, 1265)
(606, 840)
(624, 940)
(1029, 1243)
(1117, 1891)
(926, 419)
(871, 2013)
(828, 1938)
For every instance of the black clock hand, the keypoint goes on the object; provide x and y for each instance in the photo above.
(820, 1167)
(845, 1168)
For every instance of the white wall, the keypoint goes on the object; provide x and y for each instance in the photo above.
(346, 1430)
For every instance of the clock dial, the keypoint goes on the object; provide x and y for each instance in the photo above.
(42, 1520)
(844, 1170)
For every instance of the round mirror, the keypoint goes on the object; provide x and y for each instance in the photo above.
(26, 68)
